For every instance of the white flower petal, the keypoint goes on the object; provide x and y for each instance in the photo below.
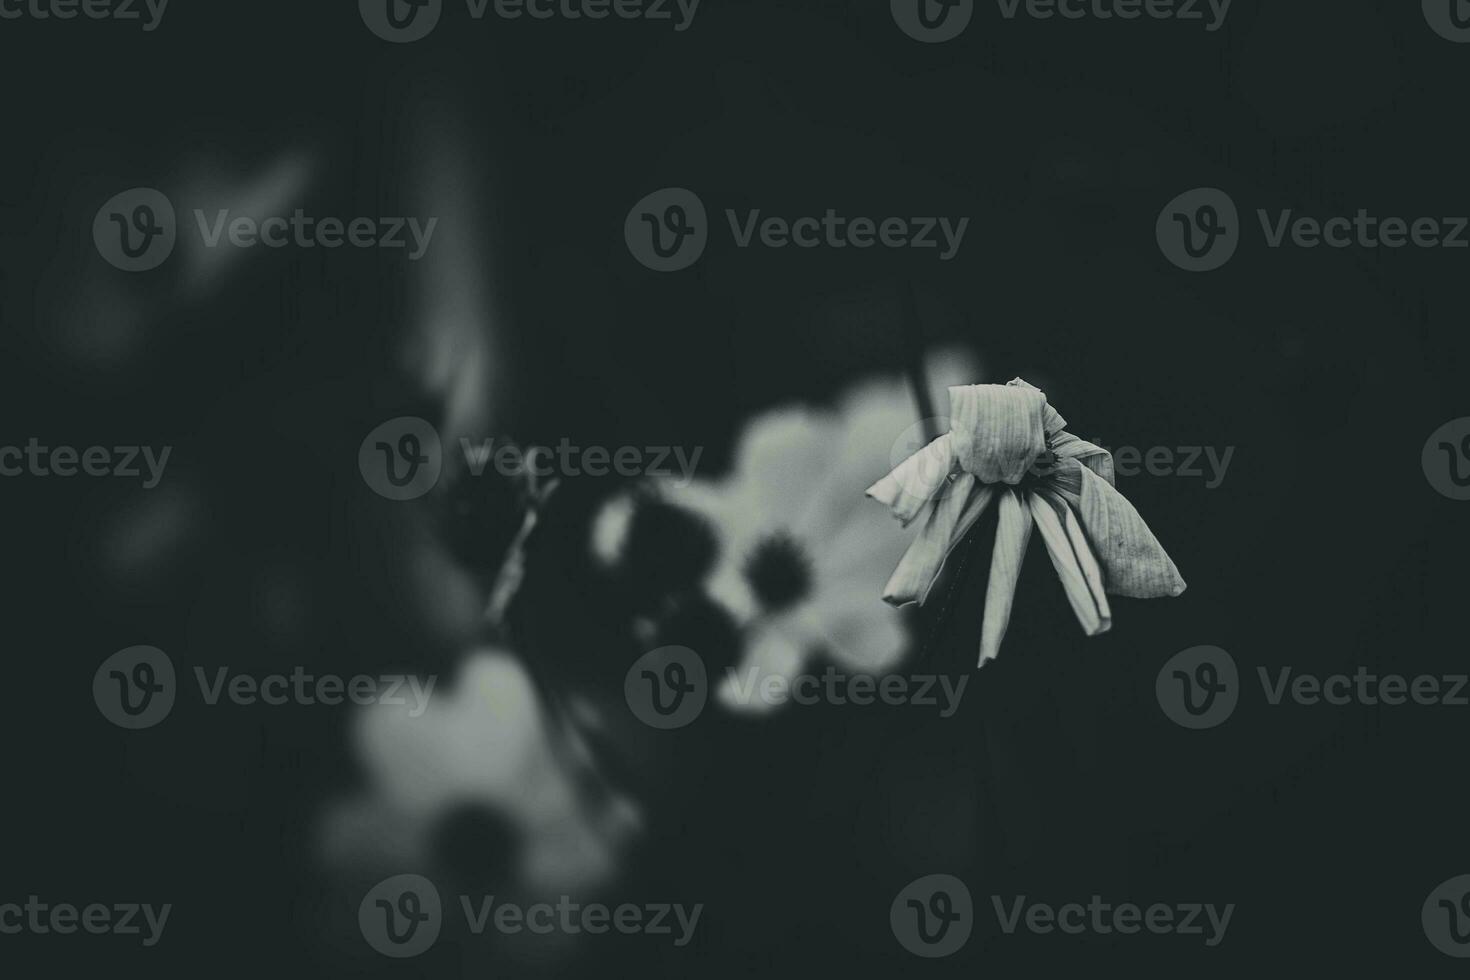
(998, 430)
(781, 460)
(1012, 534)
(915, 481)
(735, 518)
(776, 647)
(1133, 562)
(1081, 578)
(871, 418)
(1095, 458)
(863, 635)
(1053, 422)
(949, 521)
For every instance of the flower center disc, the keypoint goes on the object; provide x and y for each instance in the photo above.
(779, 572)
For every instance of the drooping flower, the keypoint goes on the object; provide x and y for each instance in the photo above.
(1007, 447)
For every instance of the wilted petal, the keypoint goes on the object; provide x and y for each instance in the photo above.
(1065, 480)
(1133, 562)
(1052, 420)
(1076, 566)
(1091, 570)
(1095, 458)
(1012, 535)
(998, 430)
(916, 480)
(950, 519)
(871, 415)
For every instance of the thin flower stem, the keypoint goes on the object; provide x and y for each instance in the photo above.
(918, 377)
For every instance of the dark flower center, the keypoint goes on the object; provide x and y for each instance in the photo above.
(779, 572)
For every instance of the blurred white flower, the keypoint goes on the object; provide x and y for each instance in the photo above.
(802, 561)
(487, 741)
